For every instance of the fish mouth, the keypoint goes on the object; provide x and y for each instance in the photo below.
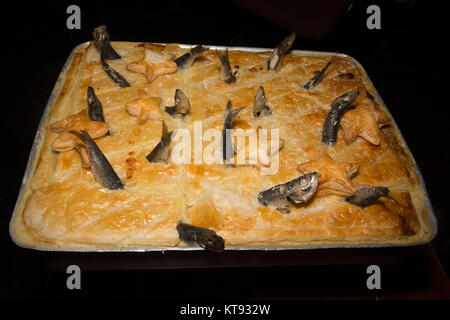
(213, 243)
(315, 180)
(312, 188)
(307, 192)
(350, 96)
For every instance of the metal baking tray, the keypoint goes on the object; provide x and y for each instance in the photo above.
(34, 155)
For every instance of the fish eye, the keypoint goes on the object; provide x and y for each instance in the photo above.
(211, 240)
(306, 189)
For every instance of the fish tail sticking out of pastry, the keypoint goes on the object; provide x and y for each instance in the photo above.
(338, 107)
(299, 190)
(367, 195)
(226, 74)
(182, 105)
(318, 77)
(161, 152)
(227, 145)
(205, 238)
(101, 41)
(187, 59)
(281, 49)
(259, 106)
(101, 168)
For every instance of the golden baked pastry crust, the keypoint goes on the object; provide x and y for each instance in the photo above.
(64, 208)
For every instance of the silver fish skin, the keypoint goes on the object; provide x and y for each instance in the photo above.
(227, 145)
(318, 77)
(300, 190)
(114, 75)
(338, 107)
(281, 49)
(95, 108)
(161, 152)
(303, 188)
(101, 168)
(275, 197)
(101, 41)
(206, 238)
(367, 195)
(225, 71)
(187, 59)
(182, 105)
(259, 105)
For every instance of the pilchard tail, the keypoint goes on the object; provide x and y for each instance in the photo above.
(223, 57)
(230, 115)
(226, 74)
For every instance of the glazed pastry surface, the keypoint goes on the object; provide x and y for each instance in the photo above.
(65, 208)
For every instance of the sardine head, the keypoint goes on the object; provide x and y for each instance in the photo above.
(100, 35)
(367, 195)
(303, 188)
(90, 95)
(259, 104)
(287, 43)
(209, 240)
(383, 191)
(182, 104)
(347, 97)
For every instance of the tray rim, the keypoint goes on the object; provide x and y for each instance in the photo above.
(55, 93)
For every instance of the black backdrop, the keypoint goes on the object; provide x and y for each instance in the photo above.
(405, 59)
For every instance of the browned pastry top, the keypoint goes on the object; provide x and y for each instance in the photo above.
(65, 208)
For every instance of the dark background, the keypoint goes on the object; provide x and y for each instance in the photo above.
(406, 60)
